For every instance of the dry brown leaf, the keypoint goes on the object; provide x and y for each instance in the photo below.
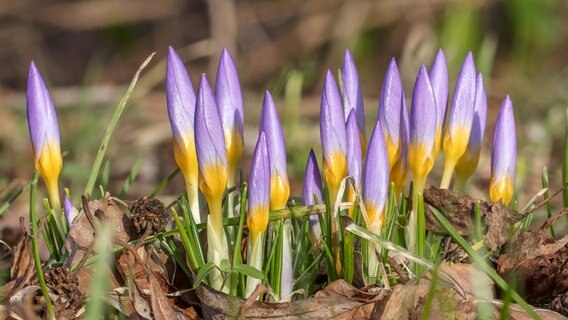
(162, 307)
(217, 305)
(499, 219)
(539, 264)
(22, 259)
(81, 234)
(457, 207)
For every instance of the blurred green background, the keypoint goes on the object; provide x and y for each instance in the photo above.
(89, 50)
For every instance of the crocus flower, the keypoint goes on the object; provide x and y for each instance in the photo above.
(353, 97)
(354, 158)
(468, 162)
(422, 130)
(333, 136)
(258, 207)
(439, 80)
(390, 104)
(375, 190)
(212, 163)
(503, 155)
(44, 134)
(230, 103)
(180, 99)
(270, 125)
(376, 180)
(312, 193)
(69, 210)
(397, 174)
(457, 134)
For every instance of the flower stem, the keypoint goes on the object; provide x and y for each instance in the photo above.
(448, 172)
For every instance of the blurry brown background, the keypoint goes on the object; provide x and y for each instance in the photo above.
(89, 50)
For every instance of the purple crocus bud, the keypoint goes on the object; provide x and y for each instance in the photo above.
(390, 104)
(397, 174)
(212, 164)
(230, 103)
(313, 193)
(258, 190)
(69, 210)
(210, 146)
(44, 134)
(422, 130)
(354, 158)
(503, 155)
(258, 207)
(333, 136)
(353, 97)
(354, 153)
(439, 79)
(457, 134)
(468, 162)
(270, 125)
(180, 99)
(376, 180)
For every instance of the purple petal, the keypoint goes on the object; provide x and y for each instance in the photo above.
(423, 112)
(270, 125)
(354, 154)
(461, 114)
(353, 99)
(480, 115)
(312, 182)
(332, 120)
(376, 183)
(180, 97)
(404, 130)
(228, 94)
(504, 146)
(209, 138)
(259, 176)
(42, 119)
(390, 103)
(70, 211)
(439, 79)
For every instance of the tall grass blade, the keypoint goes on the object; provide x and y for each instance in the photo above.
(35, 249)
(99, 285)
(131, 177)
(110, 129)
(13, 198)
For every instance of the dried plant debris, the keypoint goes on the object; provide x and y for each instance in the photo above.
(148, 215)
(459, 209)
(538, 264)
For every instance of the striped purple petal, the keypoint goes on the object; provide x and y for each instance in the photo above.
(353, 96)
(376, 176)
(70, 211)
(504, 146)
(354, 154)
(180, 98)
(230, 103)
(271, 126)
(439, 79)
(42, 118)
(312, 181)
(423, 112)
(390, 103)
(479, 117)
(259, 187)
(461, 113)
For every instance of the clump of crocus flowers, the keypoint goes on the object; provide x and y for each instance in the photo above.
(356, 178)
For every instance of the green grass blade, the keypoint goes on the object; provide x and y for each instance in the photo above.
(164, 183)
(237, 254)
(131, 177)
(480, 261)
(100, 283)
(110, 129)
(13, 198)
(35, 249)
(545, 185)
